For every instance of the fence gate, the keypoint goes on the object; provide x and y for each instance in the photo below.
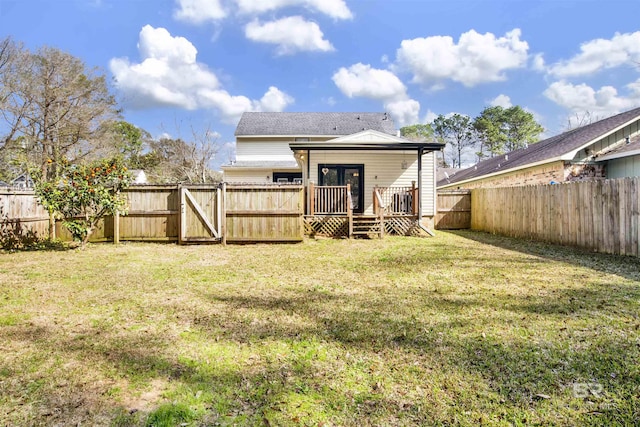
(200, 214)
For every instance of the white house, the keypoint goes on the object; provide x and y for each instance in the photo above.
(325, 150)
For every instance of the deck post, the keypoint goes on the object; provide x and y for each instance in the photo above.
(414, 198)
(311, 198)
(381, 214)
(349, 210)
(375, 199)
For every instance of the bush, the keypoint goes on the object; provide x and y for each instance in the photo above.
(85, 194)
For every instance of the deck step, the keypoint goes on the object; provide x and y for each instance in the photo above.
(366, 225)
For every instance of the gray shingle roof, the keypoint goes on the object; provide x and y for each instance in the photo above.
(300, 124)
(547, 149)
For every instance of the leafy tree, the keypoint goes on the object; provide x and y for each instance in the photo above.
(503, 130)
(84, 194)
(455, 131)
(417, 132)
(130, 142)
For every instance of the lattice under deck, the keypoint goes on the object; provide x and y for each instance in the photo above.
(332, 226)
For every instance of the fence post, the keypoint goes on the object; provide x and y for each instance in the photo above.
(223, 216)
(116, 228)
(182, 215)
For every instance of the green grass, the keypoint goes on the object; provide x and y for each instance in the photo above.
(462, 329)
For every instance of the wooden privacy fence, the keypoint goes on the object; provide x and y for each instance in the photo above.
(454, 210)
(599, 215)
(264, 213)
(183, 214)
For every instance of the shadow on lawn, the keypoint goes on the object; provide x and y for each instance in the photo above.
(625, 266)
(511, 371)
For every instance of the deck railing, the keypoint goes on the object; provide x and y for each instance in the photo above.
(396, 200)
(330, 199)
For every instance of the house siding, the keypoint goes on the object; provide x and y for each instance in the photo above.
(623, 167)
(250, 151)
(236, 176)
(543, 174)
(383, 169)
(609, 142)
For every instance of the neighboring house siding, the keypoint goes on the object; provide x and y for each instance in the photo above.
(607, 143)
(624, 167)
(543, 174)
(383, 169)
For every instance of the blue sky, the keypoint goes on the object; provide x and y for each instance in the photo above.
(178, 65)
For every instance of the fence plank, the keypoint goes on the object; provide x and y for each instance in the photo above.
(599, 215)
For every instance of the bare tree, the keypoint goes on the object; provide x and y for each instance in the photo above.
(177, 160)
(53, 107)
(578, 120)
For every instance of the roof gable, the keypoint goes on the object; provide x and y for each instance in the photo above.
(368, 135)
(312, 124)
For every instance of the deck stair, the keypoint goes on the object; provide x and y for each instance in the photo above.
(366, 225)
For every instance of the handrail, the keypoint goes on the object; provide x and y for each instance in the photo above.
(330, 199)
(398, 199)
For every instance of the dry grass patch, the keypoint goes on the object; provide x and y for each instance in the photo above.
(462, 329)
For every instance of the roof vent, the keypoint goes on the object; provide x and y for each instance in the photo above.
(335, 128)
(386, 117)
(358, 117)
(506, 157)
(627, 139)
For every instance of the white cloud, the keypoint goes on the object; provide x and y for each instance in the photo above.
(429, 117)
(501, 101)
(199, 11)
(274, 100)
(600, 54)
(404, 112)
(476, 58)
(336, 9)
(292, 34)
(581, 97)
(362, 80)
(169, 75)
(537, 62)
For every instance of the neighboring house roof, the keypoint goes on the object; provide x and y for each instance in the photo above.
(23, 180)
(262, 165)
(626, 150)
(316, 124)
(560, 147)
(445, 174)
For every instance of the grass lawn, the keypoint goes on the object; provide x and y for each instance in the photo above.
(462, 329)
